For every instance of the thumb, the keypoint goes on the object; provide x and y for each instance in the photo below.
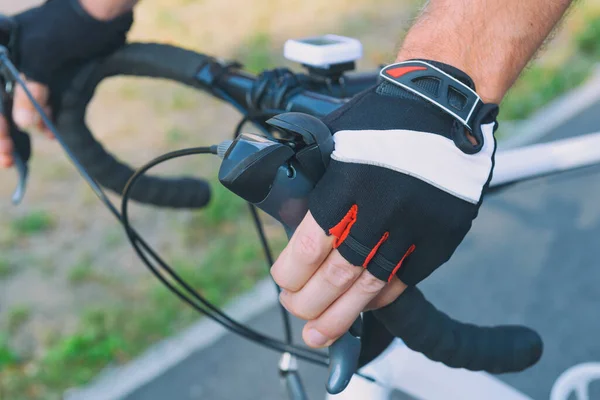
(24, 113)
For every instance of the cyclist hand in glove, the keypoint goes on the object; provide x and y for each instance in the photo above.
(412, 160)
(54, 37)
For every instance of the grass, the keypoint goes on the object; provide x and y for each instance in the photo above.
(81, 272)
(116, 333)
(175, 135)
(17, 317)
(6, 268)
(113, 238)
(543, 82)
(35, 222)
(257, 53)
(587, 40)
(224, 208)
(539, 85)
(7, 356)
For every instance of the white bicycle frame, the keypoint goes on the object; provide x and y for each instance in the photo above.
(399, 368)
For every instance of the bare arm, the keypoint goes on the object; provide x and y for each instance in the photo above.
(490, 40)
(107, 9)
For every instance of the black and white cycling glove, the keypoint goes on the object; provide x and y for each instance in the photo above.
(405, 181)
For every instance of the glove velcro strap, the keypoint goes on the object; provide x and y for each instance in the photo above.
(437, 87)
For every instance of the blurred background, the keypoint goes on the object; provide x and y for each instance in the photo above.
(68, 279)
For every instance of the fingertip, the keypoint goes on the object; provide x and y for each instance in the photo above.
(23, 118)
(49, 135)
(314, 338)
(38, 91)
(6, 146)
(24, 112)
(390, 293)
(6, 161)
(3, 126)
(310, 223)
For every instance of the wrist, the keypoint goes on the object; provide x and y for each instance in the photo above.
(490, 90)
(106, 10)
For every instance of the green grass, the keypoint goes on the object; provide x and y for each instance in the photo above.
(184, 99)
(5, 268)
(588, 40)
(33, 223)
(81, 272)
(17, 316)
(540, 84)
(257, 53)
(81, 355)
(224, 208)
(116, 333)
(7, 356)
(114, 238)
(175, 135)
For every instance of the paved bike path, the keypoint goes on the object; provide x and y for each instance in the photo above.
(533, 257)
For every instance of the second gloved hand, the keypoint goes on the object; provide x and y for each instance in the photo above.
(49, 41)
(60, 34)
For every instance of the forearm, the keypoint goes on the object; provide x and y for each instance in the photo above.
(490, 40)
(107, 9)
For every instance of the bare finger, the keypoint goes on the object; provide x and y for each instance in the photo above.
(6, 147)
(24, 112)
(338, 318)
(305, 252)
(331, 280)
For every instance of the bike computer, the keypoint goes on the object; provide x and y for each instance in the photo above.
(323, 51)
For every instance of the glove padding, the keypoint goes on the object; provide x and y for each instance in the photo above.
(60, 34)
(405, 182)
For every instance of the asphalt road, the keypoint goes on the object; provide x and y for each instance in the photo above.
(532, 258)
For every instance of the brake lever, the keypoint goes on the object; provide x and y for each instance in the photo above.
(277, 176)
(20, 140)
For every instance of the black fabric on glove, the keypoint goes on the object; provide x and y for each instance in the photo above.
(404, 183)
(61, 34)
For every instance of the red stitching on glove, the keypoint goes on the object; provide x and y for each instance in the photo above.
(342, 229)
(408, 253)
(374, 251)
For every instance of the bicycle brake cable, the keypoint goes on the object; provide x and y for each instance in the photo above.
(141, 247)
(139, 243)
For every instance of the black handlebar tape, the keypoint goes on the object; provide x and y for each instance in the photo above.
(425, 329)
(70, 98)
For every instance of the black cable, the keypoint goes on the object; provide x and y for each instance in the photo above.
(137, 241)
(140, 245)
(285, 316)
(214, 313)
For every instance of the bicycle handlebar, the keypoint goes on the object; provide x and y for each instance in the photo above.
(429, 331)
(411, 317)
(71, 101)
